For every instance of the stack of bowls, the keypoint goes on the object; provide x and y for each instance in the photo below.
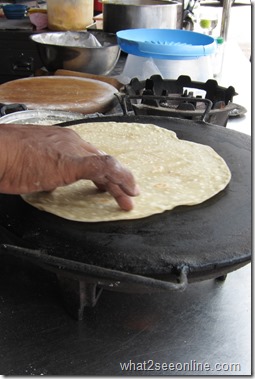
(15, 11)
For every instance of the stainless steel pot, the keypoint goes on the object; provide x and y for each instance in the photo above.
(132, 14)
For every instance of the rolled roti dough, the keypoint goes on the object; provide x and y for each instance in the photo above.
(169, 171)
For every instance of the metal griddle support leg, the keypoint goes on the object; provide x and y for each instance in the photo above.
(78, 294)
(221, 278)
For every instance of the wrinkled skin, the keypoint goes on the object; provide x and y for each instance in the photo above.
(42, 158)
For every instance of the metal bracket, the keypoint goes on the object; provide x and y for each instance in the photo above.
(78, 294)
(126, 103)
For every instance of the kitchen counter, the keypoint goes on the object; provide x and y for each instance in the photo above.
(205, 330)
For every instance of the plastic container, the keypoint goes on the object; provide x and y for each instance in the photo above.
(170, 53)
(70, 14)
(38, 17)
(14, 11)
(200, 69)
(218, 57)
(98, 7)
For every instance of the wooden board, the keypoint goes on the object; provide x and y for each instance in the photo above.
(107, 79)
(60, 93)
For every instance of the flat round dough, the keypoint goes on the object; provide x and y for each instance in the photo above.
(169, 171)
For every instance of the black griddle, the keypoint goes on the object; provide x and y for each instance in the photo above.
(160, 252)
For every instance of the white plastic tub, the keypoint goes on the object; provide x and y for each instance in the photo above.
(167, 52)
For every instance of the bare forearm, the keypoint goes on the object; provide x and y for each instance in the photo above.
(35, 158)
(8, 157)
(28, 163)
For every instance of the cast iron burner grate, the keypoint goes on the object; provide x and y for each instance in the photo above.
(181, 98)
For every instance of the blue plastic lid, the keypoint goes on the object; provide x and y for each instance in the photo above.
(166, 43)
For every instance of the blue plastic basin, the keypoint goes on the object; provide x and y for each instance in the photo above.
(14, 11)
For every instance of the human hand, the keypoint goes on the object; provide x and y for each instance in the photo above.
(37, 158)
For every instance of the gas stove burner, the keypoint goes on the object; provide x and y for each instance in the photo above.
(181, 98)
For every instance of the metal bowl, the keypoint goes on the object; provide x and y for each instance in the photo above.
(66, 50)
(40, 117)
